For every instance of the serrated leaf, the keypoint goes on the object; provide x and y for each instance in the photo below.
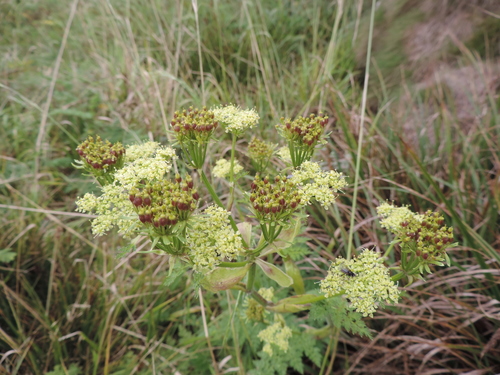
(274, 273)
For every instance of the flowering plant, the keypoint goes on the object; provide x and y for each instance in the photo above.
(142, 196)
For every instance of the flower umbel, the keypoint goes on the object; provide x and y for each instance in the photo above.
(193, 129)
(260, 153)
(236, 120)
(101, 158)
(302, 135)
(423, 237)
(222, 168)
(211, 239)
(364, 280)
(317, 184)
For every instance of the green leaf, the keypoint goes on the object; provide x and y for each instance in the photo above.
(222, 278)
(7, 256)
(122, 252)
(274, 273)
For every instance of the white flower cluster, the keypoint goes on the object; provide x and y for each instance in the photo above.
(317, 184)
(148, 161)
(222, 168)
(236, 120)
(211, 239)
(393, 216)
(364, 280)
(276, 334)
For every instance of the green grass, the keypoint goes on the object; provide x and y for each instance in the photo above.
(67, 302)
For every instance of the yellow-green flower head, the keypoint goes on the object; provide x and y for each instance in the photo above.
(236, 120)
(211, 239)
(364, 281)
(113, 209)
(276, 335)
(151, 166)
(393, 216)
(317, 184)
(254, 310)
(222, 168)
(140, 151)
(284, 154)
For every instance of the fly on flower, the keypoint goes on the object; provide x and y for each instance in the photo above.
(346, 271)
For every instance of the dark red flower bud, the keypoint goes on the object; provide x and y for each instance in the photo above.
(163, 221)
(137, 201)
(146, 201)
(196, 196)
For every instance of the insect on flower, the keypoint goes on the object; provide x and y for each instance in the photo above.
(346, 271)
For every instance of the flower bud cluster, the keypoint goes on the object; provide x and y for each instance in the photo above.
(161, 204)
(194, 125)
(274, 200)
(304, 130)
(259, 150)
(432, 237)
(260, 153)
(101, 155)
(364, 281)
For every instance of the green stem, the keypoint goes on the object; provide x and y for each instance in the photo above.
(232, 264)
(251, 278)
(261, 300)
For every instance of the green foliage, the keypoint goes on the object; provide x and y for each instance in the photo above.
(71, 370)
(302, 349)
(299, 249)
(7, 255)
(336, 310)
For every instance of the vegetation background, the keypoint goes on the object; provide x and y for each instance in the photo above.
(120, 68)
